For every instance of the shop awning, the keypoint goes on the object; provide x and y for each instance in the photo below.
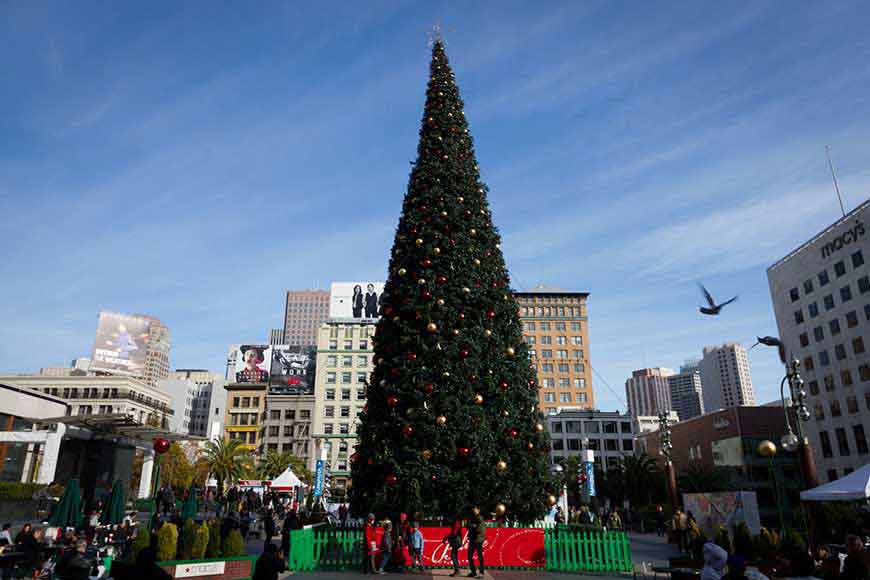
(119, 425)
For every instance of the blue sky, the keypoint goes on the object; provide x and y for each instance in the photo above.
(194, 160)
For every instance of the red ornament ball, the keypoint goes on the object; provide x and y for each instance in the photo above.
(490, 314)
(411, 356)
(503, 385)
(461, 316)
(514, 433)
(531, 382)
(392, 401)
(434, 477)
(407, 430)
(464, 353)
(426, 263)
(441, 279)
(426, 293)
(463, 451)
(161, 445)
(392, 479)
(428, 388)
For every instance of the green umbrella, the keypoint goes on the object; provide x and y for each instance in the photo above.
(68, 511)
(113, 510)
(190, 507)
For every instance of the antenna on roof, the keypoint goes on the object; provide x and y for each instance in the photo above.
(834, 177)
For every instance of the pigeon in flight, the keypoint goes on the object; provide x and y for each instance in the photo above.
(713, 309)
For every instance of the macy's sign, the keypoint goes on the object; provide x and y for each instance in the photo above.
(843, 239)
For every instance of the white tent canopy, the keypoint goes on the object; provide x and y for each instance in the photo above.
(286, 481)
(853, 487)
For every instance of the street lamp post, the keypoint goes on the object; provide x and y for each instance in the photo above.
(666, 448)
(767, 449)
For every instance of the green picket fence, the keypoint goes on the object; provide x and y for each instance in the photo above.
(322, 548)
(572, 550)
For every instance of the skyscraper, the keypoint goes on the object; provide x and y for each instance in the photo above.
(648, 391)
(555, 326)
(276, 336)
(304, 312)
(131, 345)
(726, 378)
(687, 397)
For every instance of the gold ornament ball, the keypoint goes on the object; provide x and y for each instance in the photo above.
(487, 333)
(472, 231)
(510, 351)
(440, 302)
(460, 199)
(551, 500)
(432, 327)
(482, 212)
(501, 465)
(419, 241)
(426, 454)
(767, 448)
(445, 374)
(530, 445)
(505, 413)
(480, 190)
(500, 509)
(402, 271)
(476, 262)
(538, 427)
(445, 157)
(478, 399)
(436, 250)
(396, 319)
(455, 332)
(443, 214)
(466, 290)
(441, 420)
(421, 281)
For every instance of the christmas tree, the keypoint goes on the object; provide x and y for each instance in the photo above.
(451, 418)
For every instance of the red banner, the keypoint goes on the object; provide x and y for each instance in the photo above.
(504, 547)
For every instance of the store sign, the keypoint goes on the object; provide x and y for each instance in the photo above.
(318, 478)
(504, 547)
(843, 239)
(203, 569)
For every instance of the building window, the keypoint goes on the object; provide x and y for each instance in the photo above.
(546, 354)
(832, 475)
(867, 311)
(818, 334)
(549, 383)
(329, 411)
(858, 345)
(345, 412)
(333, 345)
(288, 430)
(864, 284)
(819, 411)
(851, 319)
(829, 301)
(824, 359)
(840, 269)
(808, 286)
(545, 339)
(549, 397)
(579, 367)
(808, 363)
(290, 414)
(530, 339)
(851, 405)
(795, 296)
(575, 326)
(573, 445)
(864, 372)
(825, 440)
(547, 367)
(330, 394)
(845, 294)
(332, 360)
(581, 397)
(529, 326)
(556, 426)
(545, 326)
(834, 325)
(840, 352)
(330, 378)
(835, 408)
(345, 394)
(829, 383)
(360, 378)
(275, 415)
(857, 259)
(573, 427)
(610, 445)
(823, 278)
(804, 339)
(273, 431)
(345, 378)
(842, 442)
(564, 382)
(813, 309)
(565, 397)
(558, 444)
(846, 378)
(347, 361)
(798, 317)
(561, 340)
(304, 415)
(343, 429)
(860, 439)
(360, 394)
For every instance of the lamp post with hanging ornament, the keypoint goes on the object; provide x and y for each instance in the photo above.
(666, 448)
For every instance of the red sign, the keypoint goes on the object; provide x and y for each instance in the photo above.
(507, 547)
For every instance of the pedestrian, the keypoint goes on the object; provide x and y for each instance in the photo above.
(370, 531)
(73, 565)
(386, 546)
(476, 538)
(454, 540)
(269, 526)
(270, 564)
(416, 546)
(560, 517)
(660, 521)
(615, 522)
(401, 540)
(715, 559)
(681, 526)
(6, 535)
(290, 524)
(854, 566)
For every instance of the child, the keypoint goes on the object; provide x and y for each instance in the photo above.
(417, 547)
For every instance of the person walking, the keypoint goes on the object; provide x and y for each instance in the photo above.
(370, 535)
(476, 538)
(454, 540)
(270, 564)
(614, 522)
(660, 521)
(269, 526)
(386, 546)
(681, 528)
(415, 544)
(291, 522)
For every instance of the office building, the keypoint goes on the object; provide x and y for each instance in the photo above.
(103, 395)
(131, 345)
(276, 336)
(648, 391)
(555, 328)
(182, 393)
(610, 435)
(288, 425)
(647, 423)
(687, 396)
(344, 362)
(821, 299)
(246, 403)
(725, 376)
(209, 401)
(304, 312)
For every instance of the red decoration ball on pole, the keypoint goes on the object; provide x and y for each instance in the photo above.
(161, 445)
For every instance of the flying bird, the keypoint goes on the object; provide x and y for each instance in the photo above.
(714, 308)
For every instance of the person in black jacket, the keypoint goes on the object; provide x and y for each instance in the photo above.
(371, 302)
(73, 565)
(269, 564)
(356, 302)
(476, 538)
(269, 526)
(291, 522)
(854, 567)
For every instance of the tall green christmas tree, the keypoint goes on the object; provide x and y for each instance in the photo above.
(451, 419)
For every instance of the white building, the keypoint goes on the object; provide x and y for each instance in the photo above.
(726, 378)
(687, 396)
(821, 299)
(647, 423)
(182, 392)
(609, 434)
(208, 404)
(344, 362)
(648, 392)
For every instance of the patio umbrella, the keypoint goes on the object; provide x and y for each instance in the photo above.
(68, 511)
(190, 507)
(113, 510)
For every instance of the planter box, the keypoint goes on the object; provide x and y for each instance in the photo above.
(237, 568)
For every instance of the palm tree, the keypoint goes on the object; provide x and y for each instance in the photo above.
(274, 463)
(641, 474)
(225, 459)
(699, 478)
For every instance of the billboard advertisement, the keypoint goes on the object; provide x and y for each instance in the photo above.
(121, 344)
(728, 509)
(291, 369)
(355, 300)
(253, 363)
